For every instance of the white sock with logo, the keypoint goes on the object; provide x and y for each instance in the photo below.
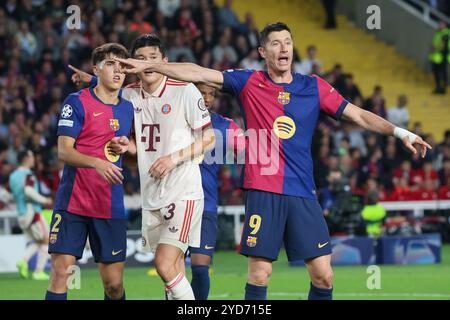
(180, 288)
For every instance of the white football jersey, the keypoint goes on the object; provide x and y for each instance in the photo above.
(164, 122)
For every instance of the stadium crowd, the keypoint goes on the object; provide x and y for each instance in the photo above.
(35, 78)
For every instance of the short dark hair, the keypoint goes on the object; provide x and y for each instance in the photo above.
(148, 40)
(100, 53)
(272, 27)
(22, 155)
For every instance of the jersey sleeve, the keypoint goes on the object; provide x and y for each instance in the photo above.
(71, 117)
(235, 80)
(30, 180)
(196, 113)
(331, 102)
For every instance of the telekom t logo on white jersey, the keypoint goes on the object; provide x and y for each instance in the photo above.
(153, 130)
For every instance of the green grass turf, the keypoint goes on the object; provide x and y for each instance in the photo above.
(229, 277)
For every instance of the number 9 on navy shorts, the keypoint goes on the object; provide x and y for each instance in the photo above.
(107, 237)
(273, 219)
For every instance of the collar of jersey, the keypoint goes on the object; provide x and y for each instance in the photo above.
(266, 74)
(157, 93)
(91, 90)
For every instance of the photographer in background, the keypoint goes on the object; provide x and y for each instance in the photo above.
(340, 209)
(373, 214)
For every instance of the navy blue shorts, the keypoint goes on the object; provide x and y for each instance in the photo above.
(208, 235)
(271, 219)
(107, 237)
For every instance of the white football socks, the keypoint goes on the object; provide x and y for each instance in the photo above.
(180, 288)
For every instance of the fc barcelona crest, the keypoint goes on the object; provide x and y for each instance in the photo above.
(284, 97)
(114, 124)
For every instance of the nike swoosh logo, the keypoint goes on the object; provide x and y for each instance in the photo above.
(208, 247)
(320, 246)
(114, 253)
(97, 114)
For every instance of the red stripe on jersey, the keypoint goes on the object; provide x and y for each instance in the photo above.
(177, 281)
(177, 81)
(163, 89)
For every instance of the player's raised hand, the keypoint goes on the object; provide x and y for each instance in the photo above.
(109, 171)
(79, 76)
(418, 144)
(134, 66)
(119, 145)
(162, 167)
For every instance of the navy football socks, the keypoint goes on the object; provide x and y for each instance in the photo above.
(253, 292)
(55, 296)
(320, 293)
(200, 281)
(109, 298)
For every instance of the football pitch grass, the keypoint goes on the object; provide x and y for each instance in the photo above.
(288, 283)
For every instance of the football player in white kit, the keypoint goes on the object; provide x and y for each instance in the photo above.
(172, 132)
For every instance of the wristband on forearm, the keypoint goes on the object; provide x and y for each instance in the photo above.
(402, 133)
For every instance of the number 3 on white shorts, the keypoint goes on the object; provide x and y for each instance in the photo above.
(254, 223)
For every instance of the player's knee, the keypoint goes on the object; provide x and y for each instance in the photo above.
(59, 270)
(114, 289)
(164, 268)
(260, 276)
(324, 280)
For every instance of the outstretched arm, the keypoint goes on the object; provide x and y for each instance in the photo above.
(373, 122)
(188, 72)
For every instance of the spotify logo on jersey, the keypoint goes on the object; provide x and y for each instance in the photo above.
(284, 127)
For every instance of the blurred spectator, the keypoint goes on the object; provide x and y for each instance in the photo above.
(223, 50)
(310, 63)
(373, 214)
(376, 103)
(168, 7)
(139, 26)
(353, 135)
(252, 61)
(330, 10)
(227, 16)
(27, 43)
(399, 115)
(242, 47)
(440, 57)
(250, 30)
(350, 90)
(179, 49)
